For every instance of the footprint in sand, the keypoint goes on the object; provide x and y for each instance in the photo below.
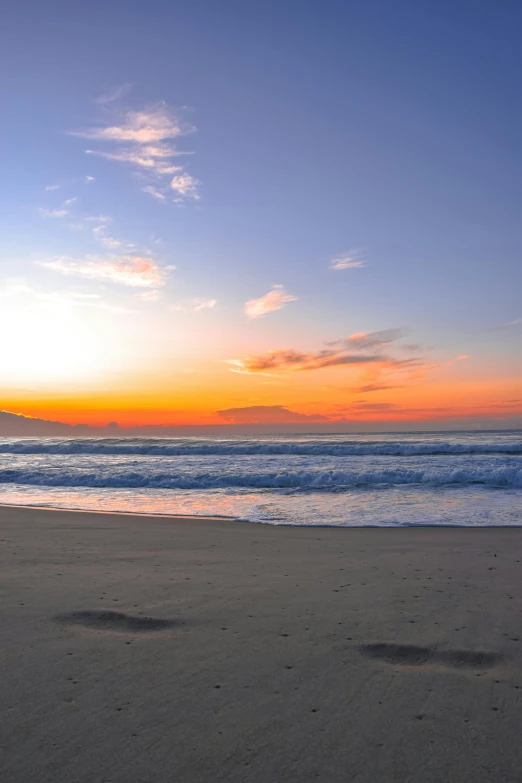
(116, 621)
(412, 655)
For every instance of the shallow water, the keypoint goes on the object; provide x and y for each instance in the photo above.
(464, 478)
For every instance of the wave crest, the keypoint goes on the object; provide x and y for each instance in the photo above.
(502, 476)
(153, 448)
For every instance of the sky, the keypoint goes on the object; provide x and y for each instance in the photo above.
(275, 213)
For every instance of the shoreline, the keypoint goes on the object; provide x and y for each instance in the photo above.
(118, 513)
(223, 518)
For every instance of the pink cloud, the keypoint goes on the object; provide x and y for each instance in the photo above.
(204, 304)
(274, 300)
(141, 127)
(372, 340)
(362, 348)
(351, 260)
(126, 270)
(143, 139)
(185, 185)
(294, 360)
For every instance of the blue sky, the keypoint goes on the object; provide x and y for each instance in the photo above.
(384, 132)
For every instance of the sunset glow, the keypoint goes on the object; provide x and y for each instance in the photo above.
(293, 259)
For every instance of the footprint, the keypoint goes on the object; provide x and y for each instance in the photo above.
(412, 655)
(406, 654)
(469, 659)
(116, 621)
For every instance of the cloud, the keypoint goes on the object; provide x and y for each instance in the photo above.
(151, 296)
(294, 360)
(53, 187)
(144, 139)
(507, 325)
(153, 191)
(351, 260)
(101, 236)
(204, 304)
(99, 218)
(114, 93)
(140, 127)
(266, 414)
(373, 340)
(133, 271)
(194, 305)
(274, 300)
(53, 213)
(89, 179)
(362, 348)
(185, 185)
(69, 201)
(376, 387)
(370, 406)
(145, 157)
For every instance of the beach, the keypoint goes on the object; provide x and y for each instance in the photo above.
(187, 649)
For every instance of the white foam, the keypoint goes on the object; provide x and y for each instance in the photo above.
(197, 447)
(491, 473)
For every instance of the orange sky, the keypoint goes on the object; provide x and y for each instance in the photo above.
(78, 364)
(337, 393)
(326, 234)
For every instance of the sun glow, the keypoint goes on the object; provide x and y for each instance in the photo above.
(42, 344)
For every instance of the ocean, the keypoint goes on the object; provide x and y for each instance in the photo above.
(451, 478)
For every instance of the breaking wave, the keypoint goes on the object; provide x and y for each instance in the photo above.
(145, 447)
(491, 475)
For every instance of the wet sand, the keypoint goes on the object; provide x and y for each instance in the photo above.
(174, 649)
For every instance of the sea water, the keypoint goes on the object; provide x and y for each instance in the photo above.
(459, 478)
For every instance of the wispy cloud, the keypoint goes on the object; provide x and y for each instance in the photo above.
(194, 305)
(111, 94)
(141, 127)
(53, 213)
(69, 181)
(507, 325)
(376, 387)
(295, 360)
(374, 340)
(204, 304)
(151, 158)
(99, 218)
(350, 260)
(100, 232)
(153, 191)
(266, 414)
(361, 406)
(363, 348)
(70, 201)
(105, 239)
(151, 296)
(128, 270)
(144, 139)
(274, 300)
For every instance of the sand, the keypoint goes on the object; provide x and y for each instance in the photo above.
(173, 649)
